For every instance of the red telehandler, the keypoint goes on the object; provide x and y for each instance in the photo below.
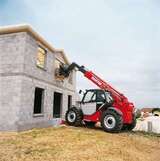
(105, 105)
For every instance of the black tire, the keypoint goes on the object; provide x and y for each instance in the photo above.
(132, 125)
(90, 124)
(111, 121)
(74, 117)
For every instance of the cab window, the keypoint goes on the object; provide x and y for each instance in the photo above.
(109, 98)
(101, 96)
(90, 96)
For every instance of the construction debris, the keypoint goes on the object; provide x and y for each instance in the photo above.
(149, 124)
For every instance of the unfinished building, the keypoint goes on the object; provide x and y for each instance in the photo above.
(30, 93)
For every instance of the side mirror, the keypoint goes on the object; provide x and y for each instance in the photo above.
(80, 91)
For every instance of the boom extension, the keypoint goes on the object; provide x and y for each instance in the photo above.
(66, 69)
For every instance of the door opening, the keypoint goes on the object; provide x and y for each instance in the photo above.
(57, 104)
(38, 100)
(69, 101)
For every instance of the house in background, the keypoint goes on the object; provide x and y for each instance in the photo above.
(145, 112)
(30, 93)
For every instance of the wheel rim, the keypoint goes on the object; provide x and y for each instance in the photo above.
(109, 121)
(71, 116)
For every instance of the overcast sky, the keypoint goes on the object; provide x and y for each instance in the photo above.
(118, 40)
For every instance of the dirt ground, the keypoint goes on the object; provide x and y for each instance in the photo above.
(78, 144)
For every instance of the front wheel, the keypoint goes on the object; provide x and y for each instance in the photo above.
(111, 121)
(74, 117)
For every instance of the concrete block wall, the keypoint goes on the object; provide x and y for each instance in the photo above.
(10, 99)
(11, 53)
(48, 74)
(26, 117)
(19, 76)
(30, 55)
(11, 66)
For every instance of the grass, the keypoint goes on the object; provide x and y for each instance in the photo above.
(78, 144)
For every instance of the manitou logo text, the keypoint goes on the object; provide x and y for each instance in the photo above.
(96, 81)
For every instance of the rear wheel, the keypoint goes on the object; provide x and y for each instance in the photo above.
(74, 117)
(111, 121)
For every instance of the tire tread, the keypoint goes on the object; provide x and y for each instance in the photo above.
(79, 117)
(119, 121)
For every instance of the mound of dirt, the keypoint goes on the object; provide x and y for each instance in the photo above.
(78, 144)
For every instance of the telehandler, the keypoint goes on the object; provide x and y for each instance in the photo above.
(105, 105)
